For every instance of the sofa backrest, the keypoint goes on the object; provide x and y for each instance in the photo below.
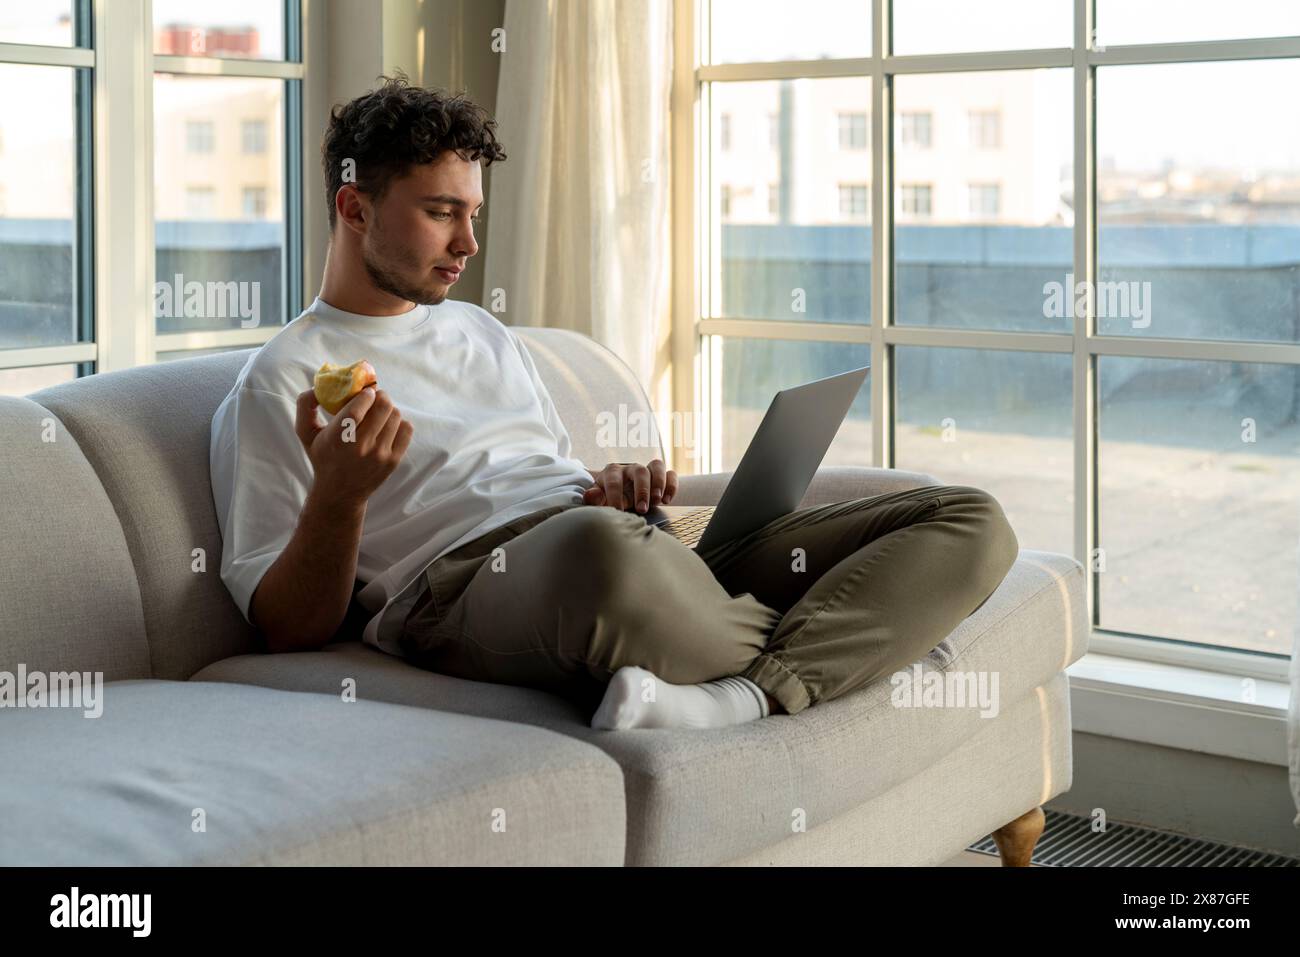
(114, 550)
(69, 599)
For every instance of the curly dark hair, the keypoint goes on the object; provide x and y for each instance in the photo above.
(390, 129)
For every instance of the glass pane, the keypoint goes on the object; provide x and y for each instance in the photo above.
(984, 199)
(192, 353)
(998, 421)
(1199, 231)
(28, 380)
(752, 371)
(790, 200)
(745, 30)
(38, 208)
(243, 29)
(961, 26)
(218, 203)
(1199, 483)
(1175, 21)
(42, 22)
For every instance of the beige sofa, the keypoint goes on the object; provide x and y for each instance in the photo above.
(208, 751)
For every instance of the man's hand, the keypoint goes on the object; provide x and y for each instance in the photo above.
(620, 484)
(350, 466)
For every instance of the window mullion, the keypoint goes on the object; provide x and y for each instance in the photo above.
(124, 261)
(882, 225)
(1085, 265)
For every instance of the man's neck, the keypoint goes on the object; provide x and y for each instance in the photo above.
(343, 288)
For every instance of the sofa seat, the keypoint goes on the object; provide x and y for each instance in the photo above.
(712, 797)
(302, 779)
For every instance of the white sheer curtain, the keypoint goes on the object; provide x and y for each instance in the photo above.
(579, 211)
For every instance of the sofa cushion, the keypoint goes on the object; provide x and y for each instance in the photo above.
(303, 779)
(145, 431)
(705, 797)
(68, 594)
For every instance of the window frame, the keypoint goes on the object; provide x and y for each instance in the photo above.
(698, 335)
(114, 244)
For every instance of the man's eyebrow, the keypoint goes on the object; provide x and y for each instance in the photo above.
(448, 199)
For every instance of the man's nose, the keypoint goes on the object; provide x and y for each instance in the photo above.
(464, 243)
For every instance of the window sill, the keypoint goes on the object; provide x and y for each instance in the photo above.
(1176, 706)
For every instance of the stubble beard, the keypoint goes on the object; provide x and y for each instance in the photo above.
(382, 263)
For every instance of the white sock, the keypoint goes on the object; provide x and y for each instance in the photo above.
(712, 704)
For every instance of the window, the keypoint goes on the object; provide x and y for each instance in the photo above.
(254, 204)
(200, 202)
(774, 256)
(243, 233)
(914, 199)
(853, 131)
(982, 334)
(70, 259)
(914, 130)
(253, 136)
(47, 274)
(198, 136)
(985, 129)
(854, 200)
(984, 200)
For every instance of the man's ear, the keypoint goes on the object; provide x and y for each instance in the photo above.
(352, 207)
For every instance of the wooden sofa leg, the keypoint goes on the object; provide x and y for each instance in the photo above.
(1016, 840)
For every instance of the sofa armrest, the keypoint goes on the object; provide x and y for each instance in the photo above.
(832, 483)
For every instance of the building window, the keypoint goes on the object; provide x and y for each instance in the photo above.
(854, 200)
(254, 202)
(985, 129)
(200, 202)
(914, 130)
(915, 199)
(724, 132)
(253, 136)
(774, 199)
(774, 130)
(853, 131)
(984, 200)
(199, 137)
(724, 201)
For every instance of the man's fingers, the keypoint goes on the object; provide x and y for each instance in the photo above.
(657, 479)
(405, 431)
(612, 479)
(305, 422)
(640, 486)
(358, 405)
(384, 440)
(670, 486)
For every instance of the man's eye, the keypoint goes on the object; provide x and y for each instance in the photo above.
(439, 214)
(476, 220)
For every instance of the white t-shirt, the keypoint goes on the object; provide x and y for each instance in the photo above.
(488, 447)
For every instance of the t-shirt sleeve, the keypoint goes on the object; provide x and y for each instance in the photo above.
(260, 478)
(549, 412)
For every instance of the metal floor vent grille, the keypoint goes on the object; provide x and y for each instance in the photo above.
(1068, 841)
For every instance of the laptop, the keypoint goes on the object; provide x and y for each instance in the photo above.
(776, 469)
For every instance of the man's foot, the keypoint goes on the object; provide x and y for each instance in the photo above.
(712, 704)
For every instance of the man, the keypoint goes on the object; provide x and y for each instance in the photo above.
(486, 551)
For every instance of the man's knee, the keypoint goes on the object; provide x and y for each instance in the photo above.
(996, 535)
(591, 548)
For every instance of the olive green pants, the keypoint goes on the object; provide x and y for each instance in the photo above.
(811, 606)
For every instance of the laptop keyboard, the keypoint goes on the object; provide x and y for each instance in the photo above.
(690, 527)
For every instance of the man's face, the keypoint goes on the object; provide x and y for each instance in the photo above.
(422, 231)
